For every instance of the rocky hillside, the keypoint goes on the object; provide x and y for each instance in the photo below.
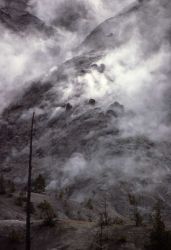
(102, 127)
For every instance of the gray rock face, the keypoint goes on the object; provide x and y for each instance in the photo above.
(105, 36)
(15, 16)
(119, 29)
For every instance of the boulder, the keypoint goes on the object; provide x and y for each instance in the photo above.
(101, 68)
(68, 107)
(92, 102)
(116, 109)
(111, 112)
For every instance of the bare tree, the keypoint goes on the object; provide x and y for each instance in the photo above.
(137, 217)
(101, 232)
(28, 206)
(106, 215)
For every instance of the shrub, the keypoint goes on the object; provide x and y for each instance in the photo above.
(11, 187)
(132, 200)
(136, 213)
(21, 199)
(61, 195)
(137, 217)
(89, 204)
(117, 221)
(15, 237)
(47, 213)
(19, 202)
(90, 219)
(121, 240)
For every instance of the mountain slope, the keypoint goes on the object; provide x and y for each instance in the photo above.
(92, 148)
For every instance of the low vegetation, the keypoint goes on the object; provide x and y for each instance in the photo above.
(47, 213)
(39, 184)
(21, 199)
(89, 204)
(15, 236)
(160, 238)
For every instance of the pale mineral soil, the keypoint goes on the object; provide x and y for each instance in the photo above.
(67, 233)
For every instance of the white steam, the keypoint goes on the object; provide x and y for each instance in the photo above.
(137, 75)
(97, 10)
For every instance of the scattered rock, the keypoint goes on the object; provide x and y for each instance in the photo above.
(94, 66)
(92, 102)
(111, 112)
(110, 35)
(101, 68)
(116, 109)
(68, 107)
(83, 71)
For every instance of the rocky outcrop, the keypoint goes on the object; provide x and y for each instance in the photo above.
(15, 16)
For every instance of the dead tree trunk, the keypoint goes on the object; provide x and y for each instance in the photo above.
(105, 212)
(28, 240)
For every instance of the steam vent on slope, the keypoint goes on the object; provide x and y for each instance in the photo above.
(97, 76)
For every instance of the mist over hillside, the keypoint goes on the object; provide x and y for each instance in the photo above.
(97, 74)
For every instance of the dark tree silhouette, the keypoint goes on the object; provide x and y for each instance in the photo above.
(2, 185)
(39, 184)
(160, 238)
(28, 206)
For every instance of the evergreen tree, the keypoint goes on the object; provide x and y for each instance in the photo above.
(160, 239)
(2, 185)
(39, 184)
